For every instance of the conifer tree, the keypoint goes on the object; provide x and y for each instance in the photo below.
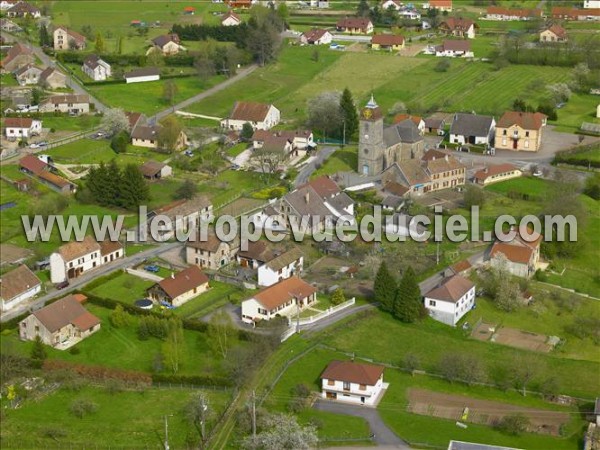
(349, 112)
(384, 288)
(408, 305)
(134, 189)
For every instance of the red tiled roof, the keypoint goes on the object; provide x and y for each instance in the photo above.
(17, 281)
(353, 22)
(440, 3)
(461, 266)
(33, 164)
(353, 372)
(18, 122)
(452, 289)
(557, 30)
(525, 120)
(250, 111)
(85, 321)
(315, 34)
(63, 312)
(324, 186)
(402, 117)
(387, 39)
(456, 23)
(283, 291)
(396, 188)
(483, 174)
(232, 15)
(515, 253)
(183, 282)
(56, 180)
(520, 12)
(457, 45)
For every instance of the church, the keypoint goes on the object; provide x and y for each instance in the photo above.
(379, 147)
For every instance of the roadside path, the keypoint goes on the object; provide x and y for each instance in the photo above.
(308, 169)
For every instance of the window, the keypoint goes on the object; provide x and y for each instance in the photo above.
(346, 386)
(362, 387)
(503, 132)
(432, 302)
(527, 134)
(330, 382)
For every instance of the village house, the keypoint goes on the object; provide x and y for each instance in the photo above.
(7, 4)
(142, 75)
(256, 254)
(299, 139)
(392, 4)
(286, 265)
(212, 252)
(435, 125)
(568, 13)
(52, 79)
(149, 136)
(154, 170)
(352, 382)
(135, 119)
(261, 116)
(501, 13)
(496, 173)
(17, 56)
(392, 42)
(472, 129)
(241, 4)
(417, 120)
(554, 33)
(9, 26)
(28, 74)
(440, 5)
(409, 13)
(451, 300)
(95, 68)
(458, 27)
(520, 131)
(21, 127)
(75, 258)
(24, 9)
(17, 286)
(355, 25)
(284, 298)
(75, 104)
(65, 39)
(444, 170)
(43, 172)
(167, 44)
(179, 288)
(316, 36)
(454, 49)
(520, 256)
(231, 19)
(593, 4)
(183, 215)
(60, 324)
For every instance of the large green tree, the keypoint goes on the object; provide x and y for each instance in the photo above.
(134, 189)
(384, 288)
(349, 112)
(408, 305)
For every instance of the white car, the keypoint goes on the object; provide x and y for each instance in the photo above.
(538, 173)
(35, 146)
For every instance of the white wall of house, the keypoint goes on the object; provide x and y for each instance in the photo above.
(142, 79)
(454, 54)
(78, 108)
(253, 309)
(450, 312)
(268, 276)
(9, 303)
(100, 73)
(502, 177)
(271, 119)
(112, 256)
(148, 143)
(59, 268)
(30, 327)
(514, 268)
(230, 22)
(351, 392)
(187, 296)
(36, 128)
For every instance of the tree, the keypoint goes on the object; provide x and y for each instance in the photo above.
(338, 297)
(411, 362)
(99, 44)
(82, 407)
(38, 352)
(170, 92)
(267, 160)
(87, 31)
(507, 294)
(349, 113)
(514, 424)
(220, 333)
(442, 66)
(548, 109)
(263, 42)
(247, 131)
(280, 431)
(434, 17)
(119, 142)
(581, 77)
(205, 66)
(169, 133)
(559, 92)
(315, 55)
(119, 45)
(133, 189)
(325, 114)
(461, 367)
(283, 12)
(36, 96)
(119, 318)
(592, 186)
(384, 288)
(174, 346)
(114, 121)
(72, 44)
(198, 412)
(473, 196)
(45, 39)
(408, 306)
(521, 105)
(186, 190)
(363, 9)
(524, 370)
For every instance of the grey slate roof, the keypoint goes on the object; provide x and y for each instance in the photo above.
(471, 125)
(405, 131)
(306, 206)
(340, 201)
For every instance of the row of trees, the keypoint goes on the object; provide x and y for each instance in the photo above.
(402, 299)
(109, 185)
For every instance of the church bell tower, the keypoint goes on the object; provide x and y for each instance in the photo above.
(371, 147)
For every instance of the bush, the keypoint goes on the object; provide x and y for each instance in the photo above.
(74, 351)
(514, 424)
(338, 297)
(54, 433)
(442, 66)
(119, 142)
(81, 407)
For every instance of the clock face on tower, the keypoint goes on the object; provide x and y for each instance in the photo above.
(367, 113)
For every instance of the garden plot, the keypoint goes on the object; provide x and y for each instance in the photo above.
(454, 407)
(514, 337)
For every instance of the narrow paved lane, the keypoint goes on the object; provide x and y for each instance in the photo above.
(322, 154)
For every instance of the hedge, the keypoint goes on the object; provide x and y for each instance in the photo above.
(570, 156)
(100, 373)
(194, 380)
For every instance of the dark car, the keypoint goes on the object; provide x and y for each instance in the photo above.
(62, 285)
(151, 268)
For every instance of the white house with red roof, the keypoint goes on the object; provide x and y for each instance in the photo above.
(352, 382)
(451, 300)
(21, 127)
(65, 39)
(520, 255)
(316, 36)
(261, 116)
(440, 5)
(231, 19)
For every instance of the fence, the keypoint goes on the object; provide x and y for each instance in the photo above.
(312, 319)
(71, 138)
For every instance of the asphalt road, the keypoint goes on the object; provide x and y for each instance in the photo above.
(87, 277)
(383, 435)
(322, 154)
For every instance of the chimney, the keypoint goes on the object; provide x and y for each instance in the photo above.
(307, 197)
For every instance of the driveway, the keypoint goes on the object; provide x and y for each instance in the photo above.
(383, 435)
(429, 283)
(308, 169)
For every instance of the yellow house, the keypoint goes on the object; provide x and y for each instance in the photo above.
(147, 136)
(520, 131)
(390, 42)
(496, 173)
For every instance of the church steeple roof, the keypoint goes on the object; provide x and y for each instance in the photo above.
(372, 104)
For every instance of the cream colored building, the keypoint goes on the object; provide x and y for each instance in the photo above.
(520, 131)
(496, 173)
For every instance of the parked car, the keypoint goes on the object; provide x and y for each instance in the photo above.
(151, 268)
(538, 173)
(34, 145)
(189, 153)
(62, 285)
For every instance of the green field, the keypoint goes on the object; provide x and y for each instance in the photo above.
(580, 108)
(134, 419)
(147, 97)
(125, 288)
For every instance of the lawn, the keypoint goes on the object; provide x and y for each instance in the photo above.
(343, 160)
(8, 79)
(230, 184)
(430, 340)
(235, 150)
(68, 123)
(147, 97)
(125, 288)
(536, 188)
(121, 348)
(218, 295)
(411, 427)
(131, 418)
(580, 108)
(83, 151)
